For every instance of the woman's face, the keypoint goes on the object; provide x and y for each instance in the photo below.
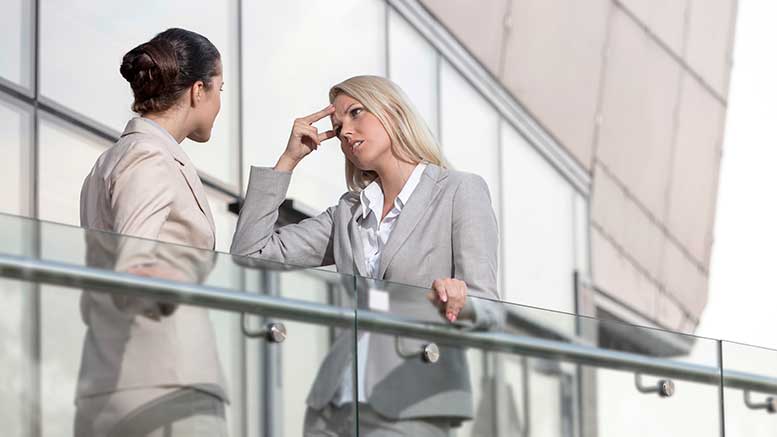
(363, 139)
(207, 108)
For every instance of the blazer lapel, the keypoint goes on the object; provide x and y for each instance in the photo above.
(354, 233)
(411, 214)
(195, 185)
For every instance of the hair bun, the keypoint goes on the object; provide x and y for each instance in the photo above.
(161, 70)
(150, 68)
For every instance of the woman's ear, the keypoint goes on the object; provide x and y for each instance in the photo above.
(196, 93)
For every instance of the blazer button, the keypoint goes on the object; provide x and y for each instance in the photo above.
(431, 353)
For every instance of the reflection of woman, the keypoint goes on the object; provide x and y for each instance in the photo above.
(150, 368)
(406, 219)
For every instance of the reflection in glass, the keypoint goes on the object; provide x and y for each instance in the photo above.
(537, 392)
(16, 364)
(267, 383)
(411, 384)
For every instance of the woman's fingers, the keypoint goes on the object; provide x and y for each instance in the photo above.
(314, 117)
(325, 136)
(309, 132)
(456, 300)
(304, 139)
(439, 289)
(451, 295)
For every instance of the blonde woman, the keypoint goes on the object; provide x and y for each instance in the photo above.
(406, 219)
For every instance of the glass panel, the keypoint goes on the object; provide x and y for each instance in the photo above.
(106, 32)
(694, 409)
(17, 30)
(16, 362)
(538, 229)
(59, 184)
(750, 381)
(413, 66)
(15, 147)
(100, 343)
(469, 129)
(538, 382)
(289, 70)
(18, 237)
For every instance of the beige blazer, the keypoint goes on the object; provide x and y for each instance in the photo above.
(447, 229)
(145, 186)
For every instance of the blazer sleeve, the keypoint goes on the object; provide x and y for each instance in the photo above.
(475, 250)
(308, 243)
(141, 192)
(141, 198)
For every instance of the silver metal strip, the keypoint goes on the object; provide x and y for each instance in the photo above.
(53, 273)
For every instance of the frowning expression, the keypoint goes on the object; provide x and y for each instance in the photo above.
(363, 139)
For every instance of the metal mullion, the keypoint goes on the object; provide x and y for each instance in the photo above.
(35, 322)
(240, 109)
(721, 393)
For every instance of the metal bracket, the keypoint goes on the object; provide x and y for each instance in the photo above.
(664, 387)
(770, 404)
(430, 353)
(274, 332)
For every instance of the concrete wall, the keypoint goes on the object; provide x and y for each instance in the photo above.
(636, 90)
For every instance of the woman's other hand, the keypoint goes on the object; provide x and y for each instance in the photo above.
(151, 309)
(304, 139)
(449, 296)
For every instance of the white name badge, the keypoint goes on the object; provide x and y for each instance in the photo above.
(379, 300)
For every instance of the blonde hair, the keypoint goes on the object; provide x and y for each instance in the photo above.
(410, 136)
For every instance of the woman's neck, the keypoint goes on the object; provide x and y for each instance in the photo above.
(392, 178)
(172, 121)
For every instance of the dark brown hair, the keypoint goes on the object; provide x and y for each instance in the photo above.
(161, 70)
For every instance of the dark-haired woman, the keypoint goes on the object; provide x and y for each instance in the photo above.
(150, 368)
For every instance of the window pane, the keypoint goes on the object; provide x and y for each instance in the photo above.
(16, 42)
(15, 145)
(102, 32)
(582, 258)
(537, 228)
(413, 66)
(59, 185)
(470, 130)
(288, 70)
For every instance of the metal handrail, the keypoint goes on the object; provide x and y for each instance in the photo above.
(61, 274)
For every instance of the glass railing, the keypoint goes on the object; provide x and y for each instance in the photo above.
(749, 394)
(106, 333)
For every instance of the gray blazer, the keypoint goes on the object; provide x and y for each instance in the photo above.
(446, 229)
